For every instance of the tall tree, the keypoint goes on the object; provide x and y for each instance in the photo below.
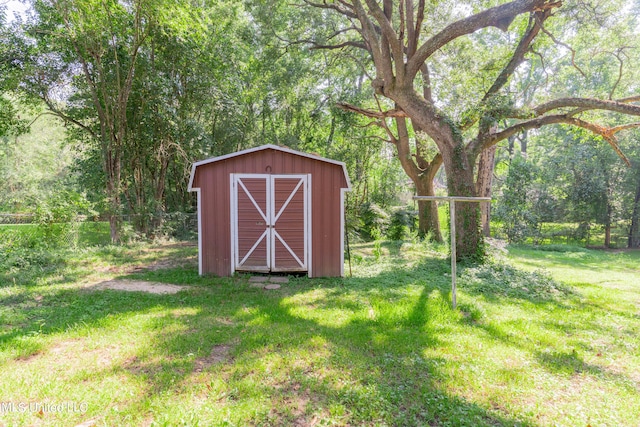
(296, 84)
(409, 41)
(139, 78)
(10, 54)
(183, 74)
(91, 48)
(586, 178)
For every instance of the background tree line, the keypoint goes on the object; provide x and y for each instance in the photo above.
(142, 88)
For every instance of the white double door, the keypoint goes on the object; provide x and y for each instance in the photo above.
(270, 216)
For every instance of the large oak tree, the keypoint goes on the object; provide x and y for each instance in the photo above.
(407, 40)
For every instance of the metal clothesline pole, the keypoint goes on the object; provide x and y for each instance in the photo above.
(452, 227)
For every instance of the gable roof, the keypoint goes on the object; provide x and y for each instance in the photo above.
(267, 147)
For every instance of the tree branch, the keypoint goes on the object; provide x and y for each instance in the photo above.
(489, 140)
(635, 98)
(573, 52)
(427, 91)
(382, 63)
(544, 67)
(533, 28)
(55, 112)
(371, 113)
(499, 16)
(617, 129)
(535, 22)
(411, 29)
(404, 151)
(334, 6)
(315, 46)
(618, 55)
(390, 38)
(584, 104)
(418, 26)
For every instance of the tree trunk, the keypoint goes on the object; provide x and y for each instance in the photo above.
(113, 169)
(634, 230)
(114, 228)
(139, 220)
(607, 226)
(428, 218)
(524, 138)
(459, 165)
(422, 173)
(460, 182)
(114, 209)
(511, 140)
(159, 194)
(607, 235)
(483, 186)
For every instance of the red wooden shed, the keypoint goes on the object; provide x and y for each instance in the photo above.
(270, 209)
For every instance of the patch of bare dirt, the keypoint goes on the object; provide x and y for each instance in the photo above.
(298, 401)
(66, 346)
(219, 354)
(29, 357)
(89, 423)
(139, 286)
(172, 245)
(161, 264)
(165, 264)
(137, 367)
(227, 321)
(73, 352)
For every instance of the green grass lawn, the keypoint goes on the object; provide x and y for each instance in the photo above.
(380, 348)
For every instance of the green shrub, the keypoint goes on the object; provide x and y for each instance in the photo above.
(401, 223)
(56, 218)
(178, 225)
(23, 266)
(373, 221)
(516, 211)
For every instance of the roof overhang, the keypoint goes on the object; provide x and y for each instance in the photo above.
(261, 148)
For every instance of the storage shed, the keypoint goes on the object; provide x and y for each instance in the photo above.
(270, 209)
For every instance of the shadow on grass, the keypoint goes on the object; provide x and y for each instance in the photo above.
(393, 246)
(352, 349)
(567, 363)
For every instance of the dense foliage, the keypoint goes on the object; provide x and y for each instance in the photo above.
(142, 89)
